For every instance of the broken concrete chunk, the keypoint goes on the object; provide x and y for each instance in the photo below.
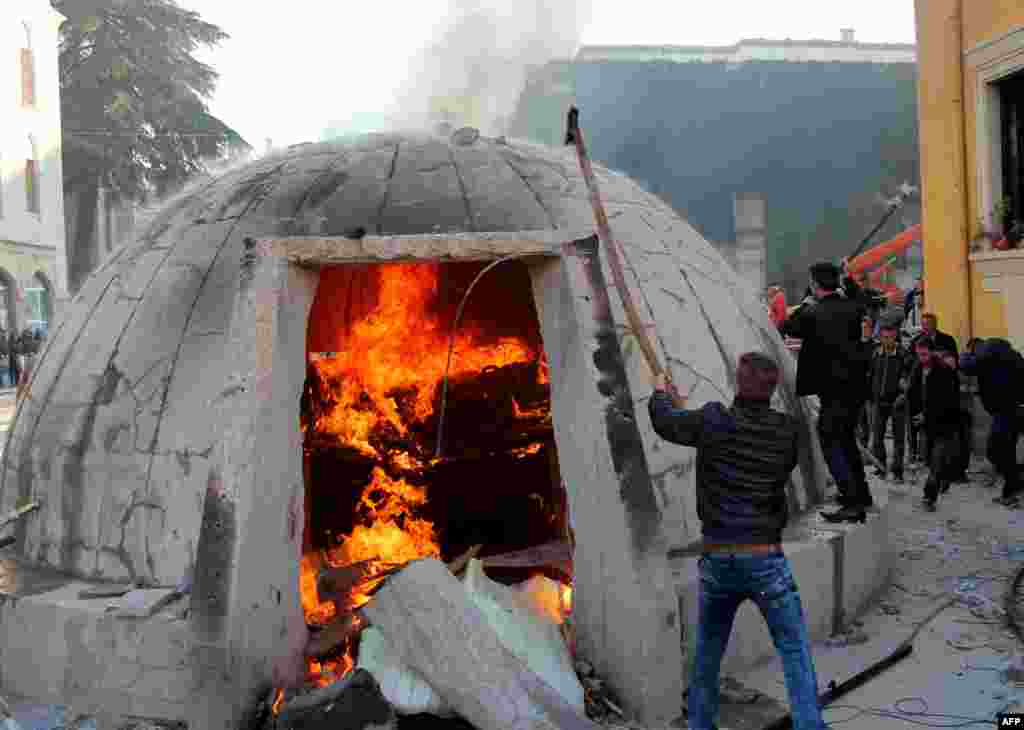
(105, 591)
(405, 688)
(143, 603)
(525, 617)
(442, 634)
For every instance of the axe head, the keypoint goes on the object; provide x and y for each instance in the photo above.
(572, 125)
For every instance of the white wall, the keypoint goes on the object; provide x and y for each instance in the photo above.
(31, 242)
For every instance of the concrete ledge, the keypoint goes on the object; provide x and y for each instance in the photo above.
(838, 569)
(58, 648)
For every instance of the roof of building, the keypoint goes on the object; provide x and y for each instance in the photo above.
(754, 49)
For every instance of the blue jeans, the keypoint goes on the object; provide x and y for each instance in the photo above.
(726, 580)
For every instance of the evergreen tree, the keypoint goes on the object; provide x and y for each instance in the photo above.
(133, 105)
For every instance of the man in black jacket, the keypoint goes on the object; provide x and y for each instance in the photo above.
(889, 373)
(14, 367)
(942, 341)
(1000, 372)
(833, 365)
(934, 403)
(745, 455)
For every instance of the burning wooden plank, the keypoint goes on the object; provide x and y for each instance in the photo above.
(438, 631)
(336, 634)
(459, 564)
(556, 554)
(337, 583)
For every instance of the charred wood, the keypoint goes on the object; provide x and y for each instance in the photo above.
(352, 703)
(336, 634)
(459, 564)
(334, 583)
(556, 554)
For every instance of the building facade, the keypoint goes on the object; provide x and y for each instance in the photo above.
(971, 107)
(33, 259)
(825, 131)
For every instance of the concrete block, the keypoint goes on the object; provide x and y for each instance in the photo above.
(868, 557)
(61, 649)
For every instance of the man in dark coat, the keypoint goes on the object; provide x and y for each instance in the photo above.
(889, 375)
(12, 356)
(934, 403)
(941, 341)
(833, 366)
(746, 452)
(1000, 372)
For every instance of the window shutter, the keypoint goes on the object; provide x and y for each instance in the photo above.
(28, 78)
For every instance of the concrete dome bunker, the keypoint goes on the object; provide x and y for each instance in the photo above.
(160, 432)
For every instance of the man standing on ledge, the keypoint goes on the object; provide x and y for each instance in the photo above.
(745, 454)
(833, 365)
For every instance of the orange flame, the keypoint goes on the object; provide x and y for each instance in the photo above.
(402, 346)
(387, 378)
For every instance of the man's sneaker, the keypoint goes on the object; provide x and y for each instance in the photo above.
(1012, 500)
(928, 504)
(944, 487)
(879, 472)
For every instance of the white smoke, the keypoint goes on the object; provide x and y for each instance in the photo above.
(474, 69)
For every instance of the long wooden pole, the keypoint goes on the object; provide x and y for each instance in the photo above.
(575, 136)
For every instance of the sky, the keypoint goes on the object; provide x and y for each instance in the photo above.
(289, 70)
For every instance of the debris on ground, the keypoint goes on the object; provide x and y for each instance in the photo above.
(851, 637)
(601, 703)
(354, 703)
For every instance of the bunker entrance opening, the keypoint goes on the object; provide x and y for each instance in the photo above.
(376, 495)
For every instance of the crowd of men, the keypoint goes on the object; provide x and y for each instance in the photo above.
(853, 357)
(17, 354)
(872, 376)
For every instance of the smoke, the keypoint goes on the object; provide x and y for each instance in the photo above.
(474, 69)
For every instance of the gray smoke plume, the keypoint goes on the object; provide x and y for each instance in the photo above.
(473, 70)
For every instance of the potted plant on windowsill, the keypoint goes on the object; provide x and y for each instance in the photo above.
(999, 232)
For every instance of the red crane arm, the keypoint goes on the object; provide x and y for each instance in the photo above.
(882, 251)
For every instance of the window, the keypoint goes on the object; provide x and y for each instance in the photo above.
(28, 79)
(1011, 137)
(32, 186)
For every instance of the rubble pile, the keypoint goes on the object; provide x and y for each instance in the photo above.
(468, 650)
